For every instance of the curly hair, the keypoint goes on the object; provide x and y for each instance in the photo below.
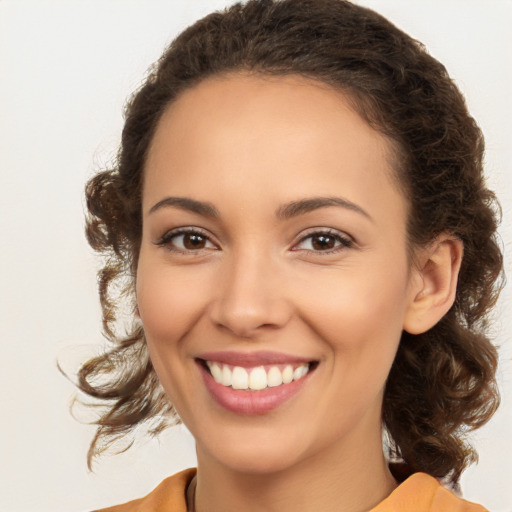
(442, 382)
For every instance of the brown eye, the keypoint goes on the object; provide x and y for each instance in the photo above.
(193, 241)
(324, 241)
(186, 241)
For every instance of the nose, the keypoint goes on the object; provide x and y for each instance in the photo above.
(251, 296)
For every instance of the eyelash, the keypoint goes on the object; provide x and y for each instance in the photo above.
(343, 241)
(166, 240)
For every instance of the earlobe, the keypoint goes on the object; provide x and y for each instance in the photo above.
(435, 284)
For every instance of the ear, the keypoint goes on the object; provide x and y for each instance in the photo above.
(434, 283)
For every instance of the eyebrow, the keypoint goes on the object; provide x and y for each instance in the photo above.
(191, 205)
(287, 211)
(303, 206)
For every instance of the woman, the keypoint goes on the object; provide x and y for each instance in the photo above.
(299, 206)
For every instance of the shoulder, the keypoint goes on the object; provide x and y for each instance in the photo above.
(423, 493)
(169, 496)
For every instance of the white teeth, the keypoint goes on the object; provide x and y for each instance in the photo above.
(300, 372)
(216, 371)
(287, 374)
(240, 378)
(274, 377)
(256, 378)
(226, 376)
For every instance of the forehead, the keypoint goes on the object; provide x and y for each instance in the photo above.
(272, 135)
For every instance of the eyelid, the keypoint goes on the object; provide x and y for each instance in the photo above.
(346, 241)
(166, 238)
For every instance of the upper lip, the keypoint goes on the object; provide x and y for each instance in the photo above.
(251, 359)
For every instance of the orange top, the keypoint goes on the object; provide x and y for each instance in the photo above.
(419, 493)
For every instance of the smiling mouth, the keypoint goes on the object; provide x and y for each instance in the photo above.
(256, 378)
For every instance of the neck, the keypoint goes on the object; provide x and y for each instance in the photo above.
(340, 478)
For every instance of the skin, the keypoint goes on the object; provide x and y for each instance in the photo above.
(248, 146)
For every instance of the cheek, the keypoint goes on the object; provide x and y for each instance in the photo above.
(361, 318)
(168, 300)
(360, 325)
(169, 304)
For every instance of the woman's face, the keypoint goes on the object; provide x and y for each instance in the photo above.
(274, 244)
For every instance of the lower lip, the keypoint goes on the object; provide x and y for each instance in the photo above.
(250, 403)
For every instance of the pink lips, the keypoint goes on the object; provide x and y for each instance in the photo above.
(250, 402)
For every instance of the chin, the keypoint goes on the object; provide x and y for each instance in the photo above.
(254, 451)
(258, 462)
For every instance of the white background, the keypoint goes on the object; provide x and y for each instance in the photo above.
(66, 68)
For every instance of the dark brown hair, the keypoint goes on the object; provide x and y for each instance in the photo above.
(442, 382)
